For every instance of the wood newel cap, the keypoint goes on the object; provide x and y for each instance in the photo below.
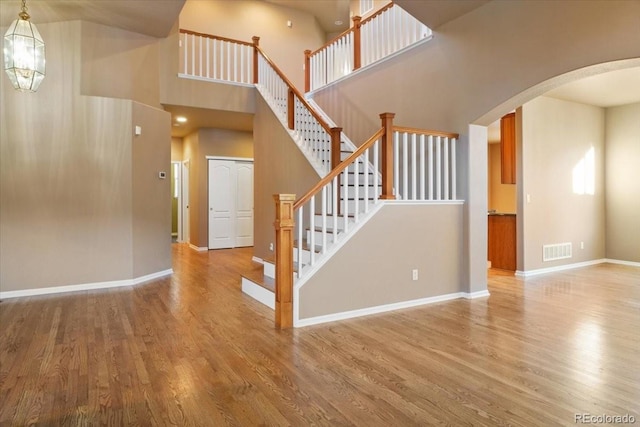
(284, 197)
(256, 40)
(307, 53)
(356, 21)
(384, 116)
(336, 130)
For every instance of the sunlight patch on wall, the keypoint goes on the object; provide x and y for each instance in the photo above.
(584, 174)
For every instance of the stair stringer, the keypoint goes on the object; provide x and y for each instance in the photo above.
(331, 251)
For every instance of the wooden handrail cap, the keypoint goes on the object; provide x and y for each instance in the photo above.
(391, 115)
(284, 197)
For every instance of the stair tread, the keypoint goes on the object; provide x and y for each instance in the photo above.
(256, 275)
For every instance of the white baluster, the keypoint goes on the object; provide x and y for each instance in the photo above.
(453, 169)
(430, 159)
(345, 197)
(300, 230)
(216, 61)
(228, 59)
(334, 207)
(438, 168)
(422, 161)
(193, 55)
(396, 164)
(367, 183)
(356, 188)
(445, 174)
(208, 54)
(405, 167)
(312, 228)
(324, 219)
(200, 56)
(235, 62)
(413, 167)
(375, 172)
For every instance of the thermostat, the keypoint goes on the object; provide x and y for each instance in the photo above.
(162, 175)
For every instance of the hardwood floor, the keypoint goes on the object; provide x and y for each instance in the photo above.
(193, 350)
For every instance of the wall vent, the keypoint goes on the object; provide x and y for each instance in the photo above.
(556, 251)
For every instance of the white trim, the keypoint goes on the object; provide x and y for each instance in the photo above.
(85, 286)
(198, 248)
(476, 294)
(259, 293)
(621, 262)
(269, 269)
(530, 273)
(298, 323)
(376, 63)
(235, 159)
(209, 79)
(258, 260)
(424, 202)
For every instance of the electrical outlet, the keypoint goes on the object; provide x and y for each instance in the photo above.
(415, 274)
(271, 247)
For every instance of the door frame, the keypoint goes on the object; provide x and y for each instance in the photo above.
(183, 215)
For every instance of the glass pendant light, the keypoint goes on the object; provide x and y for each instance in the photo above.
(24, 53)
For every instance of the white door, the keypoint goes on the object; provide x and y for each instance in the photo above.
(230, 204)
(222, 212)
(244, 204)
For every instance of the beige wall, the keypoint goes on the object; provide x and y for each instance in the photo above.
(69, 171)
(280, 167)
(375, 267)
(502, 197)
(623, 183)
(241, 20)
(556, 137)
(176, 149)
(151, 196)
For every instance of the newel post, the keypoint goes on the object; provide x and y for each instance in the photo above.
(307, 70)
(356, 42)
(387, 156)
(256, 43)
(335, 147)
(284, 259)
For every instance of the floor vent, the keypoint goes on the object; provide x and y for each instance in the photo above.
(556, 251)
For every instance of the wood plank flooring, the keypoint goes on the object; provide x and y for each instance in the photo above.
(192, 350)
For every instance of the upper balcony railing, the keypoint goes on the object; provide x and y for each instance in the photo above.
(384, 33)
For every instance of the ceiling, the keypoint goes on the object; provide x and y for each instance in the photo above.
(327, 12)
(204, 118)
(611, 89)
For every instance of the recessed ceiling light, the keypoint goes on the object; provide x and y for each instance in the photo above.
(338, 22)
(181, 119)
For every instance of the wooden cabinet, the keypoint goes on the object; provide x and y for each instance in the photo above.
(502, 241)
(508, 148)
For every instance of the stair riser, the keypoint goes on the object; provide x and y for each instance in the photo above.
(351, 205)
(317, 235)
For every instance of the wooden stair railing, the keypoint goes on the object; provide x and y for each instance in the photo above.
(210, 57)
(384, 32)
(326, 189)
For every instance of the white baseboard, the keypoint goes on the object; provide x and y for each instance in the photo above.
(259, 293)
(198, 248)
(269, 269)
(298, 323)
(257, 259)
(85, 286)
(621, 262)
(530, 273)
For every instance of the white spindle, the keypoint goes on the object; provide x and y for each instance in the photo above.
(430, 167)
(453, 169)
(185, 50)
(445, 173)
(200, 56)
(334, 207)
(366, 184)
(405, 167)
(375, 171)
(312, 228)
(438, 168)
(193, 54)
(235, 62)
(324, 219)
(396, 164)
(300, 230)
(356, 187)
(422, 161)
(413, 167)
(345, 194)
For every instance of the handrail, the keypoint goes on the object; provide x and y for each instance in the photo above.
(295, 91)
(333, 40)
(425, 132)
(377, 13)
(338, 170)
(210, 36)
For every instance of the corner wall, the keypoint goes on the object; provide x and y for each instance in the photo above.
(623, 183)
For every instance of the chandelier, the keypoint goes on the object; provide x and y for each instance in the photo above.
(24, 53)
